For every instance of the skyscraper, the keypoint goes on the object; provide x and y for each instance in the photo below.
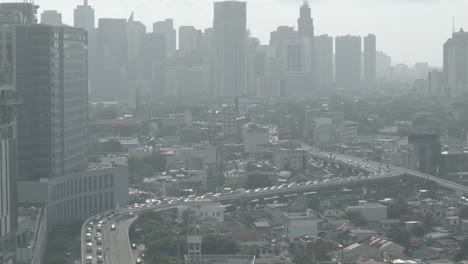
(112, 60)
(51, 17)
(456, 63)
(370, 59)
(84, 16)
(190, 38)
(323, 53)
(383, 64)
(348, 60)
(166, 28)
(53, 122)
(305, 22)
(230, 45)
(11, 16)
(136, 32)
(305, 30)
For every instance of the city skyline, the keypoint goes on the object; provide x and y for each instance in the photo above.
(427, 24)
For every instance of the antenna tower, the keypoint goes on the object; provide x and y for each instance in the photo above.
(194, 237)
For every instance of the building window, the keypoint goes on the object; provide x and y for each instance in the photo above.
(106, 181)
(112, 180)
(100, 182)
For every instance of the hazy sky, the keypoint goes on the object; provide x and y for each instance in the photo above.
(408, 30)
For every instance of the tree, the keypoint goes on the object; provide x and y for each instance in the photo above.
(400, 236)
(257, 180)
(398, 208)
(215, 244)
(156, 161)
(418, 231)
(355, 217)
(111, 146)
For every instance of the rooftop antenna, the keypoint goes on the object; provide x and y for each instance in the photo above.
(453, 24)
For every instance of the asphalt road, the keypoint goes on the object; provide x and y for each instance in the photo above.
(120, 250)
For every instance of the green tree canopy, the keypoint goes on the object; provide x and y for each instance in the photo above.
(215, 244)
(355, 217)
(398, 208)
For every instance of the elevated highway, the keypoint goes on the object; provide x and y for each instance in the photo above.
(117, 243)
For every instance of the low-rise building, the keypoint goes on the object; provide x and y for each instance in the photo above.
(113, 128)
(205, 208)
(256, 138)
(356, 251)
(299, 224)
(389, 249)
(276, 212)
(80, 195)
(31, 235)
(316, 247)
(289, 159)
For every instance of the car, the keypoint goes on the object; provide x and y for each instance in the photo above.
(88, 237)
(98, 235)
(99, 241)
(99, 251)
(91, 224)
(134, 246)
(89, 247)
(131, 214)
(89, 260)
(100, 259)
(113, 227)
(139, 261)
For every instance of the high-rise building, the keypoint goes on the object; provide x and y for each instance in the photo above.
(84, 16)
(12, 15)
(229, 120)
(456, 63)
(305, 30)
(323, 54)
(348, 60)
(295, 53)
(427, 150)
(166, 28)
(370, 59)
(51, 17)
(305, 22)
(190, 38)
(112, 60)
(279, 40)
(230, 49)
(383, 64)
(52, 123)
(136, 32)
